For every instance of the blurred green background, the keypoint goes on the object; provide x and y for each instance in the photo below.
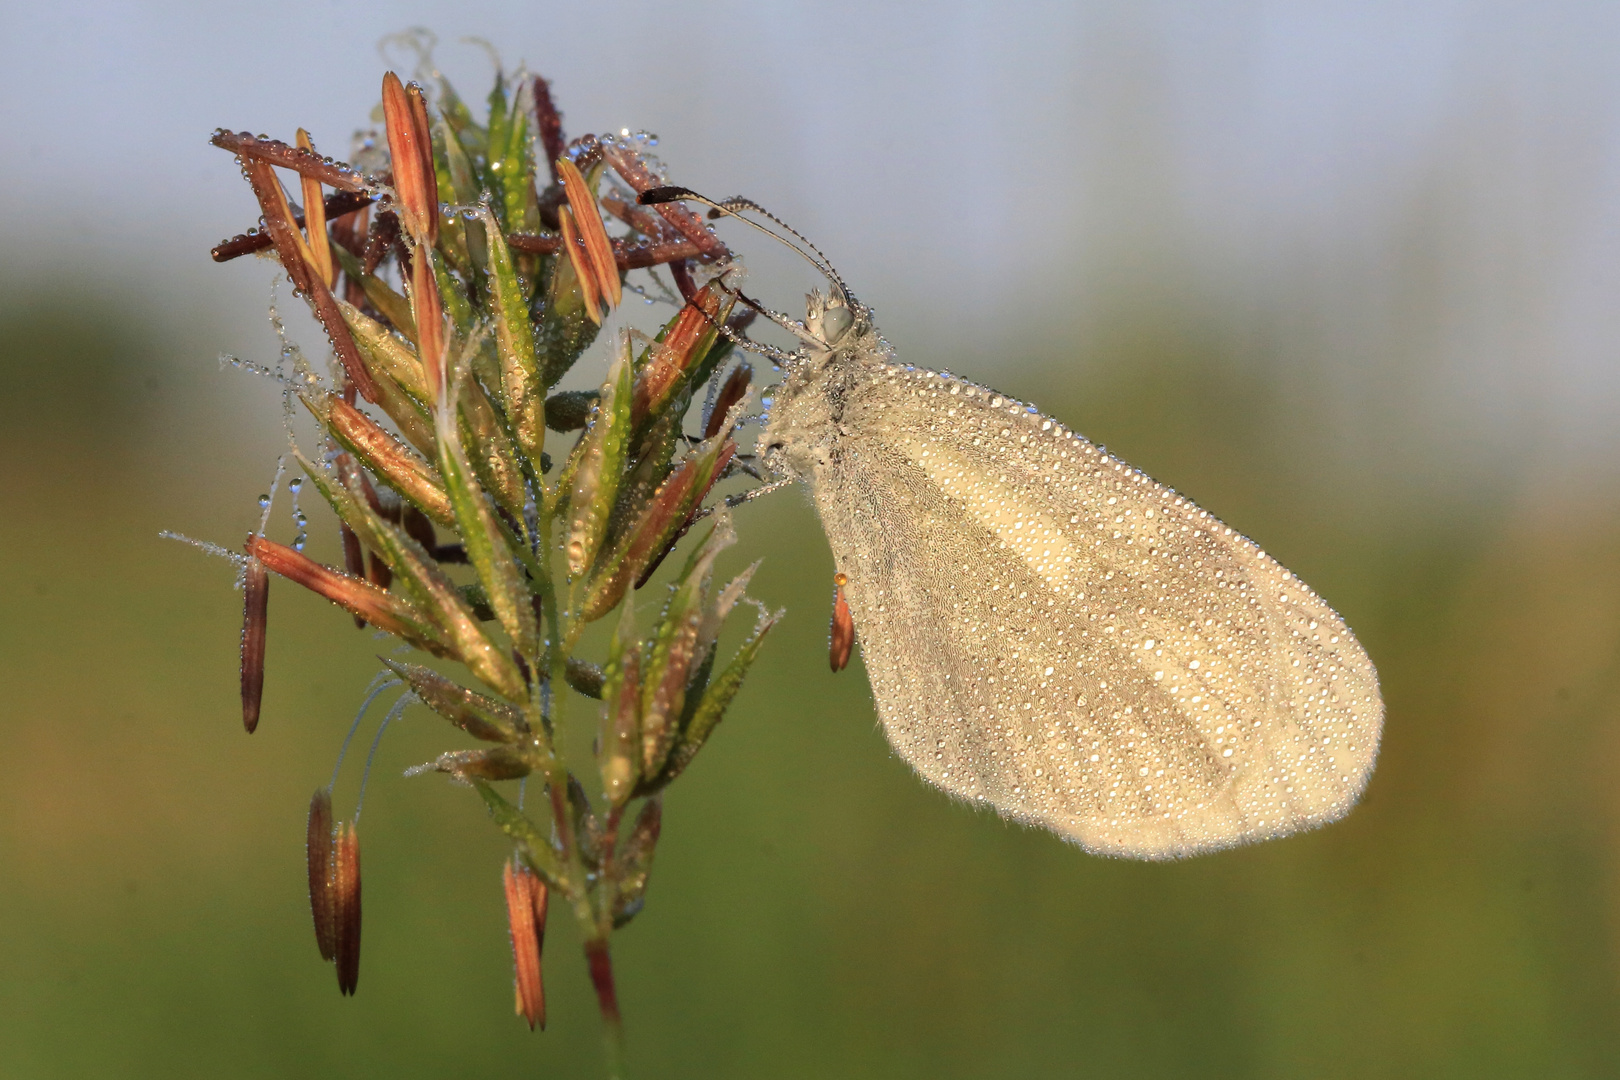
(1345, 274)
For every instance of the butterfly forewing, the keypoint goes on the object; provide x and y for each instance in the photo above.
(1051, 632)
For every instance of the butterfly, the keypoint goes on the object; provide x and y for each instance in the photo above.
(1048, 631)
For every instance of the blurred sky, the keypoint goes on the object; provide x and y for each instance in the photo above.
(1366, 193)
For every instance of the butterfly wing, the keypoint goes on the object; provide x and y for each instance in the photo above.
(1050, 632)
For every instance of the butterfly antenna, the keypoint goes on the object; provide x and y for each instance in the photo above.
(654, 196)
(821, 262)
(729, 208)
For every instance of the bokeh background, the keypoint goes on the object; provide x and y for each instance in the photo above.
(1346, 273)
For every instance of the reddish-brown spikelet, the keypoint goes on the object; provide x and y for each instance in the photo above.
(346, 907)
(841, 637)
(626, 256)
(354, 556)
(592, 233)
(411, 151)
(297, 261)
(255, 612)
(634, 171)
(675, 491)
(391, 458)
(318, 850)
(676, 352)
(337, 205)
(428, 311)
(527, 900)
(320, 248)
(584, 269)
(378, 607)
(304, 162)
(736, 385)
(291, 248)
(410, 148)
(423, 132)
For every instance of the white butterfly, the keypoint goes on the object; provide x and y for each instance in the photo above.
(1052, 633)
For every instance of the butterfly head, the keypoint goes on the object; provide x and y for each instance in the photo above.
(834, 321)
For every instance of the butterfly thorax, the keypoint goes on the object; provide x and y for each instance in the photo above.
(806, 419)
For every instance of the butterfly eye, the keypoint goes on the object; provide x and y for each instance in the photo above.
(835, 323)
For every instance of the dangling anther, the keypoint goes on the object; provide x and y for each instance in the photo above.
(841, 638)
(255, 605)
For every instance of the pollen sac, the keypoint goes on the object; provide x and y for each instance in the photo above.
(354, 560)
(320, 852)
(527, 900)
(419, 527)
(255, 610)
(841, 638)
(378, 573)
(346, 907)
